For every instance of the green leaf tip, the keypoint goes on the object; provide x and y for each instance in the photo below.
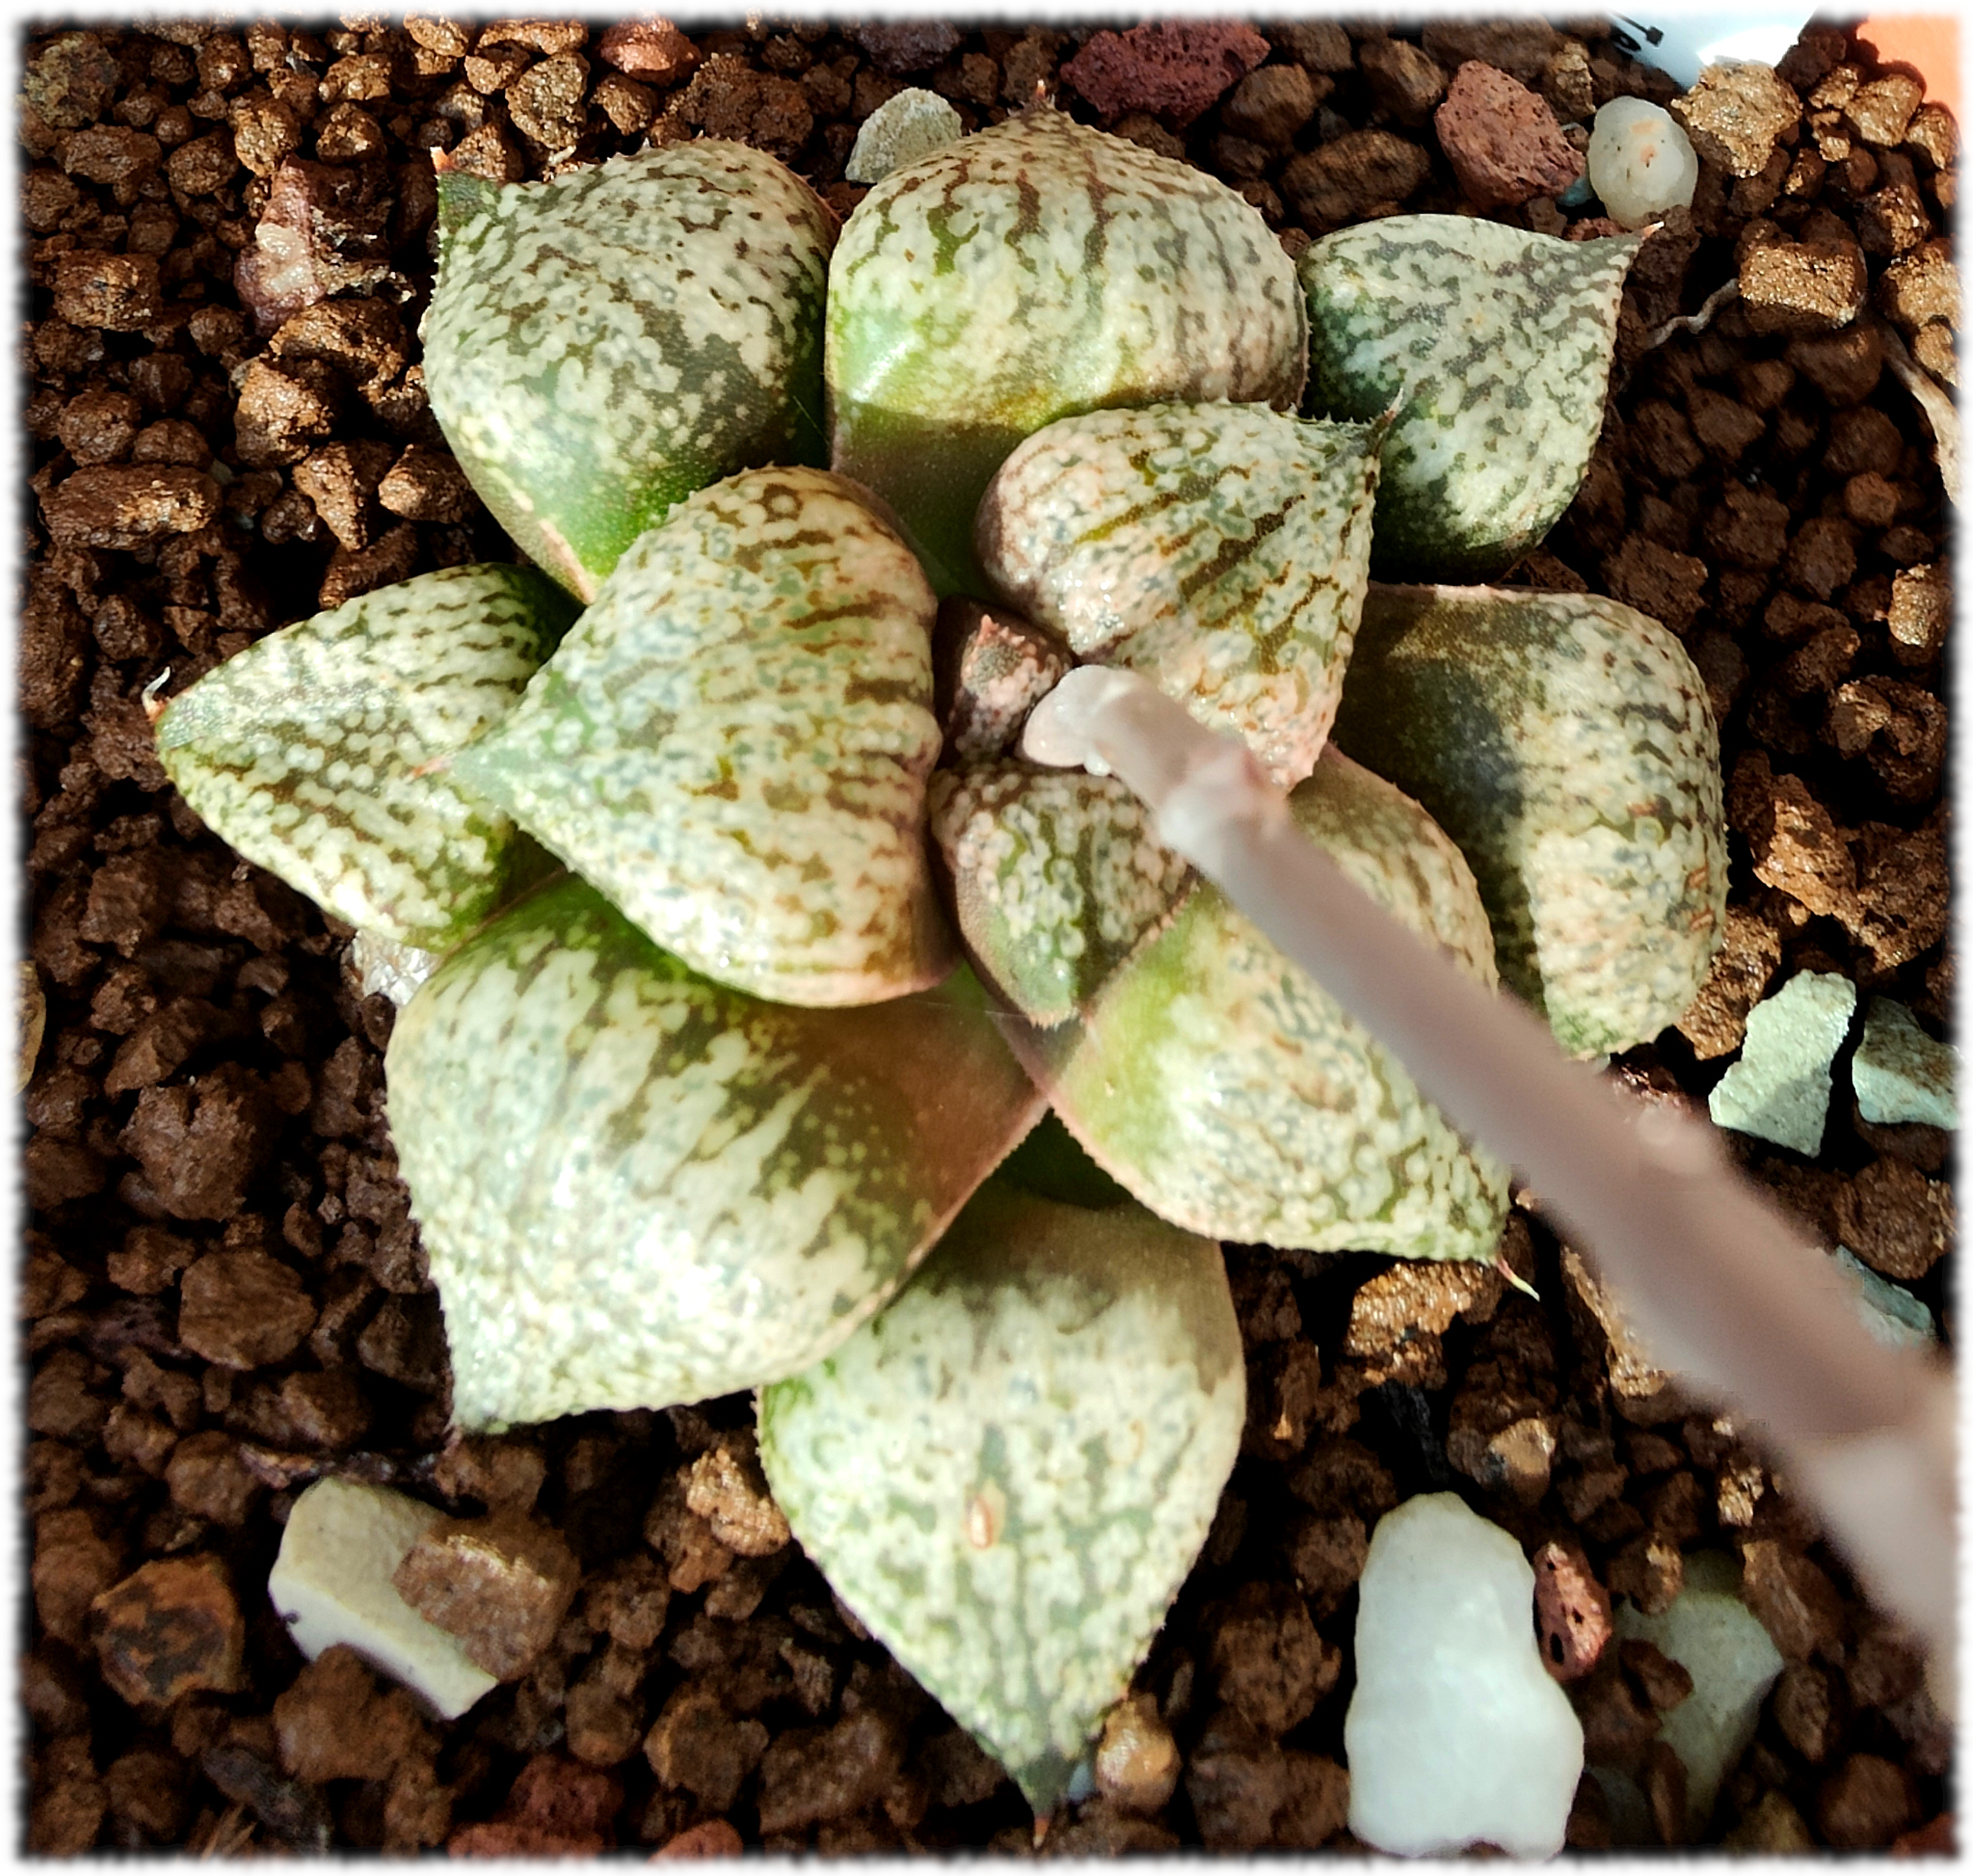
(462, 196)
(1494, 344)
(324, 752)
(1009, 1473)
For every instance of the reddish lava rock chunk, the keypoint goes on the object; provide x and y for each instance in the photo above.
(1173, 70)
(1502, 140)
(1571, 1611)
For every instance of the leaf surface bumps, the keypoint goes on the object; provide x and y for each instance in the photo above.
(1230, 1093)
(733, 743)
(1221, 551)
(1056, 878)
(1566, 743)
(1028, 272)
(600, 345)
(637, 1187)
(1494, 345)
(320, 752)
(1009, 1473)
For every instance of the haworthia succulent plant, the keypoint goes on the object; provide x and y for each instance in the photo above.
(1233, 1096)
(1056, 878)
(733, 743)
(1008, 1474)
(1219, 550)
(1566, 743)
(1033, 270)
(600, 345)
(1494, 345)
(636, 1188)
(318, 752)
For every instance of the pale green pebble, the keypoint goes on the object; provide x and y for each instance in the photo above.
(1779, 1088)
(1720, 1642)
(912, 124)
(1890, 1311)
(1900, 1073)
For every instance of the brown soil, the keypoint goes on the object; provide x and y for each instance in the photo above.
(224, 1298)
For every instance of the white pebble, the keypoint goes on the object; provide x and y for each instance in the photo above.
(1456, 1734)
(901, 130)
(1641, 163)
(331, 1583)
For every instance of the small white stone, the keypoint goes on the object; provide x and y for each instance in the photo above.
(331, 1582)
(912, 124)
(1779, 1088)
(1640, 162)
(1892, 1313)
(1900, 1073)
(1711, 1633)
(1456, 1734)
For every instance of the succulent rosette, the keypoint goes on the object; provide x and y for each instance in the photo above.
(762, 945)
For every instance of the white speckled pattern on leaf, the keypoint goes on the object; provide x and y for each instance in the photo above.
(1232, 1095)
(1219, 550)
(600, 345)
(304, 751)
(1494, 344)
(1566, 743)
(1031, 270)
(637, 1187)
(1009, 1473)
(732, 743)
(1056, 878)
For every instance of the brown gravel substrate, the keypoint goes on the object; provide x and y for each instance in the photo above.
(223, 1296)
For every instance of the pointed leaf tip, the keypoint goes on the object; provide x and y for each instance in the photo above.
(1009, 1474)
(1233, 1095)
(1497, 342)
(321, 751)
(462, 196)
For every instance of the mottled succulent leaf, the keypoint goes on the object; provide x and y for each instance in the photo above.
(1009, 1473)
(733, 743)
(1219, 550)
(600, 345)
(1566, 743)
(637, 1187)
(989, 668)
(1230, 1093)
(1494, 345)
(1032, 270)
(318, 751)
(1056, 878)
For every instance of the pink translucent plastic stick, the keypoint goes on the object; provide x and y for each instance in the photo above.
(1717, 1282)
